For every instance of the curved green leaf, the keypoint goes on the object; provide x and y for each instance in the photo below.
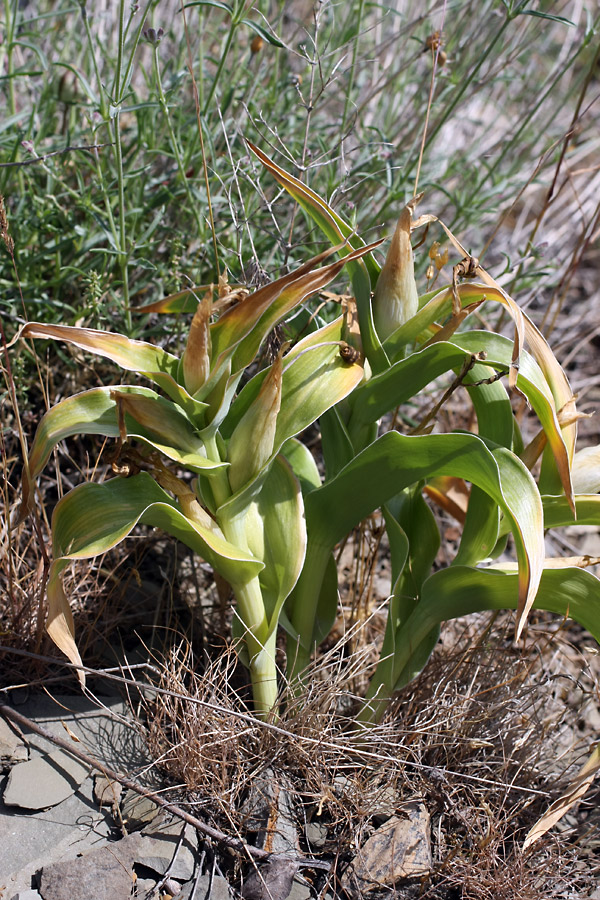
(396, 461)
(557, 510)
(92, 518)
(95, 412)
(458, 591)
(134, 356)
(303, 464)
(276, 535)
(401, 381)
(495, 423)
(315, 378)
(530, 380)
(238, 334)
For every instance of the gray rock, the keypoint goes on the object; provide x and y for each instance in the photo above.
(143, 886)
(30, 840)
(44, 782)
(104, 874)
(269, 810)
(27, 895)
(219, 890)
(400, 849)
(106, 792)
(316, 834)
(157, 849)
(137, 810)
(12, 746)
(385, 804)
(300, 890)
(272, 881)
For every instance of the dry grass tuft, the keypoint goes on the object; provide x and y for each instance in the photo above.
(479, 737)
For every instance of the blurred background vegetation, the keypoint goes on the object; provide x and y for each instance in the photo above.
(107, 176)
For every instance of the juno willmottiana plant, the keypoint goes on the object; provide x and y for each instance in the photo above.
(258, 509)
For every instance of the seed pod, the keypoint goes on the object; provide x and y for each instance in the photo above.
(396, 299)
(196, 356)
(253, 438)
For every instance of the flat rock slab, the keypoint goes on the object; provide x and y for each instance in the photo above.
(30, 840)
(269, 810)
(398, 850)
(271, 881)
(12, 747)
(137, 810)
(156, 851)
(105, 874)
(44, 781)
(218, 887)
(27, 895)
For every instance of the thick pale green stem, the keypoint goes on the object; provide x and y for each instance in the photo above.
(260, 644)
(304, 609)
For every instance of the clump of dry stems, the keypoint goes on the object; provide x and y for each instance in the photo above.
(478, 737)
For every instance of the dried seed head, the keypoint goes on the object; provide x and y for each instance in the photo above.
(154, 36)
(348, 353)
(4, 233)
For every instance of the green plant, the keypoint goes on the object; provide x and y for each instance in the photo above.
(258, 510)
(244, 512)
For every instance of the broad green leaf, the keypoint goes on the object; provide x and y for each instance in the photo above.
(494, 422)
(299, 649)
(239, 333)
(557, 510)
(238, 323)
(133, 356)
(181, 302)
(411, 513)
(381, 393)
(276, 535)
(94, 412)
(396, 461)
(458, 591)
(335, 441)
(440, 305)
(532, 382)
(315, 378)
(414, 541)
(303, 464)
(92, 518)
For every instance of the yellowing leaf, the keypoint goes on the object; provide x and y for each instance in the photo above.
(578, 788)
